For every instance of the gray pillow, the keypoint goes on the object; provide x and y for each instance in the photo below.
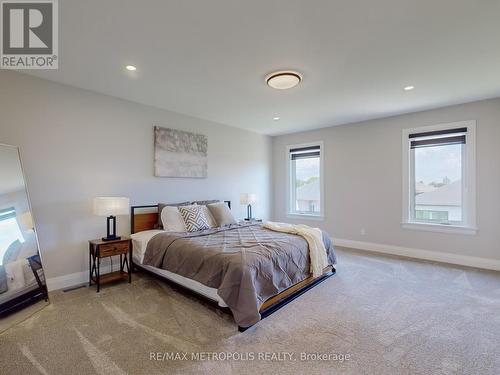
(12, 252)
(205, 203)
(161, 206)
(222, 214)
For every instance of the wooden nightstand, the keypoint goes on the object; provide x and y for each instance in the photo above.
(99, 249)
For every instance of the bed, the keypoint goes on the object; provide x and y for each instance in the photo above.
(24, 284)
(248, 269)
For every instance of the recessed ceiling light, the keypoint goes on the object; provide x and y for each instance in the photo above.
(409, 88)
(131, 68)
(283, 80)
(276, 118)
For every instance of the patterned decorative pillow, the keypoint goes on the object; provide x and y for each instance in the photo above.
(194, 218)
(210, 219)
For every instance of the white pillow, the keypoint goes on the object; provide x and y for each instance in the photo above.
(15, 274)
(172, 219)
(210, 219)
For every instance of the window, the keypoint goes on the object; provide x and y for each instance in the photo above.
(305, 185)
(9, 230)
(439, 177)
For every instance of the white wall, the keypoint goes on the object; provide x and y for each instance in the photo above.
(77, 144)
(363, 177)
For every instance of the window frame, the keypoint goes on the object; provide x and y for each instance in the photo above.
(7, 213)
(468, 225)
(290, 195)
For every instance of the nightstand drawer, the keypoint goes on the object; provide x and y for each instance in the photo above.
(107, 250)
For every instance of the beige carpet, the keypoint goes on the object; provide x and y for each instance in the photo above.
(390, 315)
(14, 319)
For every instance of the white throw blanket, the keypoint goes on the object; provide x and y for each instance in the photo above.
(314, 238)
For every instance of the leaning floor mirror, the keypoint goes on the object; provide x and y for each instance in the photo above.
(22, 280)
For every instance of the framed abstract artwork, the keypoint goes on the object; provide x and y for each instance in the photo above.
(179, 153)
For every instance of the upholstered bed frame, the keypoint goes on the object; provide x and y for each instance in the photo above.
(146, 218)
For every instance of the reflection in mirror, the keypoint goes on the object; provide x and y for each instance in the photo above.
(22, 281)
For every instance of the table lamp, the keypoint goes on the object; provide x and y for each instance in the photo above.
(248, 199)
(26, 221)
(111, 207)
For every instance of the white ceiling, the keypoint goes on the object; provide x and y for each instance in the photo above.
(208, 59)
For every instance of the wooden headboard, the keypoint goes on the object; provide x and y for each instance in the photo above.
(146, 217)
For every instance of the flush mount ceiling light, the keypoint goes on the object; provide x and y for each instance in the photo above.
(409, 88)
(283, 80)
(276, 118)
(131, 68)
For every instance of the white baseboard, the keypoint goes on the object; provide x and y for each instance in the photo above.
(72, 279)
(462, 260)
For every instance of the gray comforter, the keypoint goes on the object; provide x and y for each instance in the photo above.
(247, 264)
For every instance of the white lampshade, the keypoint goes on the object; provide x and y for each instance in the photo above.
(111, 206)
(248, 198)
(26, 220)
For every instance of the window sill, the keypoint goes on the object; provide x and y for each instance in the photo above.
(305, 216)
(442, 228)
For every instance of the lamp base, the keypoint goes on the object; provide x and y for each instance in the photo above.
(111, 229)
(111, 238)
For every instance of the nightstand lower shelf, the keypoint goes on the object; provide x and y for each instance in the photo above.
(111, 277)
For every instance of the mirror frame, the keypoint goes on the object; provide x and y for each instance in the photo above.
(26, 299)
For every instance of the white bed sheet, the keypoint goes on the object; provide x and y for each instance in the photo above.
(20, 279)
(139, 244)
